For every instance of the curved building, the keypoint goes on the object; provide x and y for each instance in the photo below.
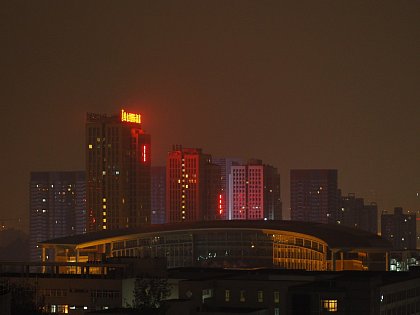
(232, 244)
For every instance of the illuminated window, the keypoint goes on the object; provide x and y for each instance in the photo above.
(329, 305)
(90, 146)
(227, 295)
(276, 311)
(242, 296)
(260, 296)
(276, 297)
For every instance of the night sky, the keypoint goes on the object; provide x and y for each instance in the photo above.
(298, 84)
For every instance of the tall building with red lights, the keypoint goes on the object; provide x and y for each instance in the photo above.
(255, 192)
(226, 172)
(192, 186)
(118, 171)
(313, 195)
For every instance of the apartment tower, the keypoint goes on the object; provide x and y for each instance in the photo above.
(192, 186)
(118, 165)
(313, 195)
(255, 192)
(57, 207)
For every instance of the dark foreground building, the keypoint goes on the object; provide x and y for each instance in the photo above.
(107, 288)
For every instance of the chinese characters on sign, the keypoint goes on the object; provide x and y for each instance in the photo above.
(130, 117)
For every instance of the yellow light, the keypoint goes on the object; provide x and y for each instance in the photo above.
(130, 117)
(104, 207)
(90, 146)
(104, 199)
(104, 220)
(104, 227)
(104, 213)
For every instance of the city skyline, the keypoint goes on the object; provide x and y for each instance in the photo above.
(300, 86)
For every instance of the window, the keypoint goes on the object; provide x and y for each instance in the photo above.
(242, 296)
(276, 297)
(329, 305)
(276, 311)
(260, 296)
(227, 295)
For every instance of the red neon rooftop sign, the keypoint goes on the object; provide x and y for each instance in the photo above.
(130, 117)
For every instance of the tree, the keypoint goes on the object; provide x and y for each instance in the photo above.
(149, 293)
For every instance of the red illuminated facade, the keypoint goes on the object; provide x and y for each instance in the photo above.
(118, 171)
(192, 186)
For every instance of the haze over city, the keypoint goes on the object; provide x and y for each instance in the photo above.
(298, 85)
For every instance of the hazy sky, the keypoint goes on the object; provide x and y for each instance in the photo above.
(298, 84)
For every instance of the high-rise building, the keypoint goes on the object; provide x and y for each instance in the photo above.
(225, 201)
(158, 194)
(273, 208)
(313, 195)
(57, 207)
(353, 212)
(118, 171)
(255, 192)
(399, 228)
(192, 186)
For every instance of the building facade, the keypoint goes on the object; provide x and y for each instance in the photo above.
(313, 195)
(255, 192)
(57, 207)
(226, 173)
(193, 186)
(353, 212)
(158, 194)
(399, 228)
(118, 165)
(233, 244)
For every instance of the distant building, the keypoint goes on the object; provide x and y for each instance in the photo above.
(158, 192)
(313, 195)
(353, 212)
(57, 207)
(399, 228)
(193, 186)
(226, 172)
(118, 171)
(255, 192)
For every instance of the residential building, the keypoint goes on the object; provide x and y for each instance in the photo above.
(313, 194)
(399, 228)
(118, 165)
(353, 212)
(255, 192)
(158, 192)
(226, 202)
(57, 207)
(193, 186)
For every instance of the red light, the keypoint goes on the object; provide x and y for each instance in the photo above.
(144, 154)
(220, 204)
